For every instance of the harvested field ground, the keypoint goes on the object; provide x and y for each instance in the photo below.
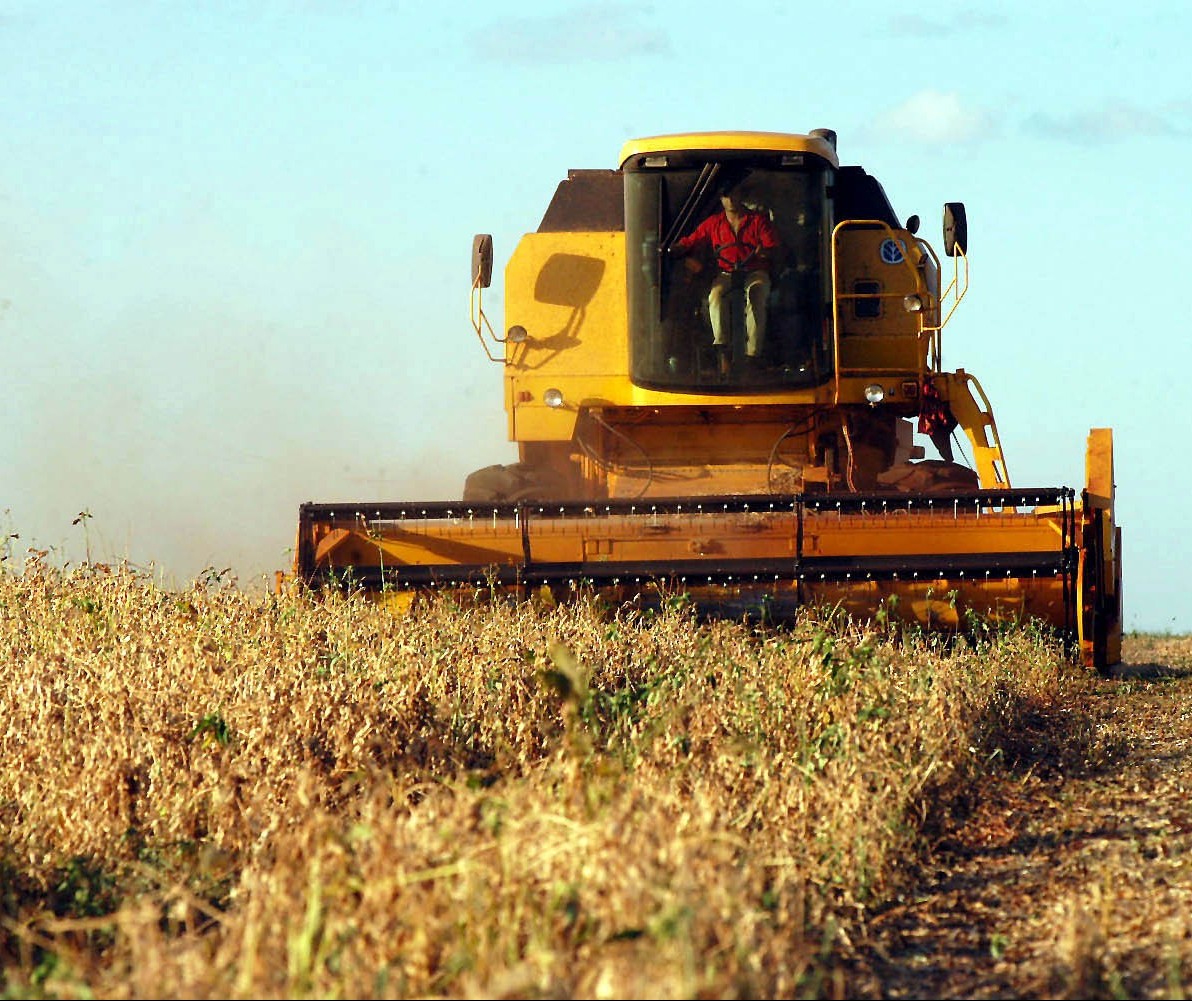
(1071, 874)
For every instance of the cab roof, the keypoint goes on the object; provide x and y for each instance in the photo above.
(821, 143)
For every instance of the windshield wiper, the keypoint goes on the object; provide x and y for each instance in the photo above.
(706, 178)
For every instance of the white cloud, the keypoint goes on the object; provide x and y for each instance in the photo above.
(594, 32)
(932, 116)
(912, 25)
(1114, 121)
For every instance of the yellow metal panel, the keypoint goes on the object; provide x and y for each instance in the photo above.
(478, 540)
(779, 142)
(1101, 495)
(893, 534)
(1098, 467)
(892, 339)
(459, 545)
(568, 291)
(1100, 561)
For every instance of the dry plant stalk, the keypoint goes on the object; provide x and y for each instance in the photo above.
(213, 794)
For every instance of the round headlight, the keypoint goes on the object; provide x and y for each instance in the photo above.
(553, 398)
(912, 303)
(516, 334)
(874, 394)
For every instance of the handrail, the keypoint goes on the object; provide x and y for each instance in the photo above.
(480, 323)
(476, 315)
(953, 286)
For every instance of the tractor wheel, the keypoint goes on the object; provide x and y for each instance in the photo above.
(512, 483)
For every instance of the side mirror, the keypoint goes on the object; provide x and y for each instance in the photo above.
(912, 225)
(955, 229)
(482, 260)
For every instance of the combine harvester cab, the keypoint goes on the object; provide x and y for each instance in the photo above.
(716, 360)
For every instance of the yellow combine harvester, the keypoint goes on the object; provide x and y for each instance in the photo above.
(717, 357)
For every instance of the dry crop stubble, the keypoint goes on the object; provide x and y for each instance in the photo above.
(213, 794)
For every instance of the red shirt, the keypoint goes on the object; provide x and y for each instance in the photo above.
(754, 231)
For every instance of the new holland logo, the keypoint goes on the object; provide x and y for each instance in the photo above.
(892, 251)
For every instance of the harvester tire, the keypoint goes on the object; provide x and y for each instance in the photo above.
(929, 476)
(515, 482)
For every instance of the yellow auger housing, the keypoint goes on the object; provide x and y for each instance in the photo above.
(740, 424)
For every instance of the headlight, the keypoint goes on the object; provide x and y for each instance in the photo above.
(516, 334)
(553, 398)
(912, 303)
(874, 394)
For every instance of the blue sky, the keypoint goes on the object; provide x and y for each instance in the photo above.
(235, 237)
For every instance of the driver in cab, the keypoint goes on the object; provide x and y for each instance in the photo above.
(744, 242)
